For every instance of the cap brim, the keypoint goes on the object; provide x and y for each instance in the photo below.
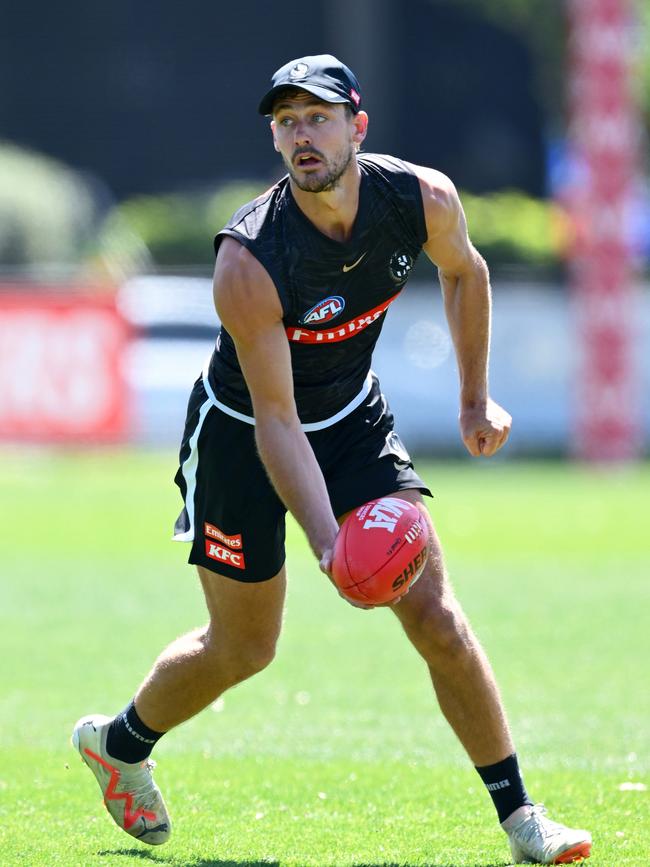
(266, 105)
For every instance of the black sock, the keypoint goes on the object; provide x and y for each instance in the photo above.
(129, 739)
(505, 785)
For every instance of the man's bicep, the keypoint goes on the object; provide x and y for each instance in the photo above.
(249, 308)
(245, 297)
(451, 250)
(265, 361)
(448, 245)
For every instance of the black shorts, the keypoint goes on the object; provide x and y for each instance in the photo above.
(232, 514)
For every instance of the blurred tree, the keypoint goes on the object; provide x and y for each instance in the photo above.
(175, 230)
(510, 228)
(169, 230)
(47, 211)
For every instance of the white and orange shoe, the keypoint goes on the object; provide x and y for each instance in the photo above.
(536, 839)
(130, 794)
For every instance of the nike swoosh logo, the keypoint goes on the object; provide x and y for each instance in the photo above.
(347, 268)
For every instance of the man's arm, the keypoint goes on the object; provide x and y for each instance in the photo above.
(465, 283)
(248, 305)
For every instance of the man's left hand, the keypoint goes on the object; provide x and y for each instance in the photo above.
(484, 427)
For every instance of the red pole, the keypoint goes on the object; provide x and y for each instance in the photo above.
(604, 135)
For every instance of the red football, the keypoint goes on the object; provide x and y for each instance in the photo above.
(380, 551)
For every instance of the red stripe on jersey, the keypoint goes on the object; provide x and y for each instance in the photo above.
(343, 331)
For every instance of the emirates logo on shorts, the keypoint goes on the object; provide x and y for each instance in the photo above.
(215, 533)
(400, 266)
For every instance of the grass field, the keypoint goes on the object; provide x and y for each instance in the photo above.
(336, 754)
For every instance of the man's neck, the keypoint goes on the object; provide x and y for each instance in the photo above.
(333, 212)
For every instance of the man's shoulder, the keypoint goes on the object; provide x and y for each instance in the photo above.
(396, 186)
(384, 163)
(388, 164)
(392, 174)
(256, 211)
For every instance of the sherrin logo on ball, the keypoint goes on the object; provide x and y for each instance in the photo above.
(380, 551)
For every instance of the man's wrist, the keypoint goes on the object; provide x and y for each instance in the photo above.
(474, 400)
(324, 542)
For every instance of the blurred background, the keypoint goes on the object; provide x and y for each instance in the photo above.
(129, 134)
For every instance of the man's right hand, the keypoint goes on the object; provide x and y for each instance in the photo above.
(325, 564)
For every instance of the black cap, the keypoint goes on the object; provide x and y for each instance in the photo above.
(320, 74)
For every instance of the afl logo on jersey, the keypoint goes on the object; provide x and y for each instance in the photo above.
(324, 311)
(400, 266)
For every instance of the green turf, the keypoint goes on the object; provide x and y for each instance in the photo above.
(336, 754)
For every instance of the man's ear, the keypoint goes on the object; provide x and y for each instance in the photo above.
(360, 121)
(275, 144)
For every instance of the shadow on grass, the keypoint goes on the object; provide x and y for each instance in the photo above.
(144, 855)
(438, 864)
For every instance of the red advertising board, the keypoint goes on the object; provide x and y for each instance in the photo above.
(61, 361)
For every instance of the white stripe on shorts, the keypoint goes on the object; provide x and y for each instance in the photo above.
(189, 469)
(309, 426)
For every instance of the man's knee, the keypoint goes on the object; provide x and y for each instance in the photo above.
(245, 622)
(430, 614)
(243, 657)
(256, 655)
(438, 629)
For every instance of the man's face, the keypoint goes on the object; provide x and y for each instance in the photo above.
(317, 140)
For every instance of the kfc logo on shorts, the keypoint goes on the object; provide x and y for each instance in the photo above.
(224, 555)
(215, 533)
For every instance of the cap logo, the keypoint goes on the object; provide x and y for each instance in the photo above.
(354, 96)
(299, 72)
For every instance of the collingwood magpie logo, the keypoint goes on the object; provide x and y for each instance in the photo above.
(400, 266)
(299, 71)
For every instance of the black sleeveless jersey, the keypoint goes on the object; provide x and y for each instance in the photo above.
(334, 294)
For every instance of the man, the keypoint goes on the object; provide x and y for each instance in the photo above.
(288, 415)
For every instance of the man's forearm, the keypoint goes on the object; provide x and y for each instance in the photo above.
(468, 309)
(294, 472)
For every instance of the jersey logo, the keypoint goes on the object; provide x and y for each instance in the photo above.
(341, 332)
(324, 311)
(400, 266)
(347, 268)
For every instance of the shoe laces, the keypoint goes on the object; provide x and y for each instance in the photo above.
(139, 783)
(535, 828)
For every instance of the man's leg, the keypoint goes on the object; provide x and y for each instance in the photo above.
(469, 698)
(239, 640)
(461, 674)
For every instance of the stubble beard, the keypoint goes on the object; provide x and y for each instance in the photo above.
(315, 183)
